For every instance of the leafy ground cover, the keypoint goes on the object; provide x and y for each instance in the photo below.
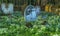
(15, 26)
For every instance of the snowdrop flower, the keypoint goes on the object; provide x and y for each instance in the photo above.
(38, 9)
(5, 11)
(3, 6)
(10, 8)
(30, 13)
(28, 18)
(33, 14)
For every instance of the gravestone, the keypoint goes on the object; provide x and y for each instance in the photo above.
(30, 13)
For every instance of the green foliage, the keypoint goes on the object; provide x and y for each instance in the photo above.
(15, 26)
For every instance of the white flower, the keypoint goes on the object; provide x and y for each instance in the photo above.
(10, 8)
(55, 35)
(3, 6)
(38, 9)
(7, 10)
(28, 17)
